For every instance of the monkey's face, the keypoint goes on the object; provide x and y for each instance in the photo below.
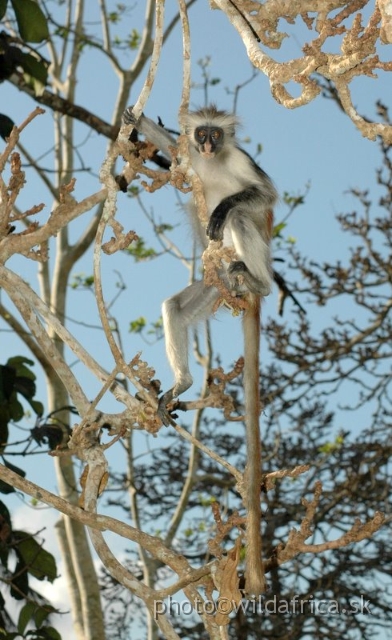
(209, 141)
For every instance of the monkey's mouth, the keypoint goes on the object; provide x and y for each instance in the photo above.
(207, 154)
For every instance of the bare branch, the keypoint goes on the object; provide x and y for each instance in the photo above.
(358, 56)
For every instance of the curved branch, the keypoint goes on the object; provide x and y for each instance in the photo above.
(13, 283)
(16, 293)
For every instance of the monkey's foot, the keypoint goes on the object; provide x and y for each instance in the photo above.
(241, 280)
(237, 273)
(167, 417)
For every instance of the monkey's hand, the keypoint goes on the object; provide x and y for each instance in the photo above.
(217, 221)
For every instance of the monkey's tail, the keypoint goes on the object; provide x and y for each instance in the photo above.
(254, 573)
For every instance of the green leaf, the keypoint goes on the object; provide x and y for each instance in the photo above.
(16, 377)
(19, 364)
(5, 513)
(34, 69)
(42, 612)
(3, 8)
(5, 534)
(7, 635)
(25, 616)
(137, 326)
(31, 20)
(48, 633)
(134, 39)
(15, 469)
(4, 431)
(7, 381)
(15, 410)
(6, 124)
(40, 563)
(278, 228)
(20, 581)
(38, 407)
(139, 251)
(7, 488)
(82, 281)
(25, 385)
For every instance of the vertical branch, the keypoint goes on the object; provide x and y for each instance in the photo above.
(97, 470)
(155, 56)
(105, 27)
(186, 52)
(147, 42)
(128, 77)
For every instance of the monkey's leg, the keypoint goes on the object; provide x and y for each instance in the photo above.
(180, 312)
(254, 252)
(242, 281)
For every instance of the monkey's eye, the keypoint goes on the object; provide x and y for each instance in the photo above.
(201, 133)
(216, 134)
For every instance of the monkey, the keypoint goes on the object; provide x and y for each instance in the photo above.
(240, 198)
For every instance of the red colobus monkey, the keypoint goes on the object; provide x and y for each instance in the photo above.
(240, 198)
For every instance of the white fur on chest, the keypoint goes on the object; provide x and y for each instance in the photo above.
(222, 177)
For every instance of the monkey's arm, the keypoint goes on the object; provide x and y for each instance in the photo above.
(151, 131)
(251, 196)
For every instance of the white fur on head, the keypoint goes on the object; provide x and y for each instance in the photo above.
(211, 117)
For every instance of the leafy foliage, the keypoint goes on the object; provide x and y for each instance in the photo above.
(80, 281)
(6, 125)
(139, 250)
(31, 20)
(16, 379)
(33, 27)
(30, 560)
